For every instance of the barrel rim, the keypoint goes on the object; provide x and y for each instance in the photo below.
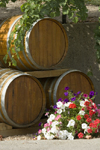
(60, 78)
(4, 94)
(27, 43)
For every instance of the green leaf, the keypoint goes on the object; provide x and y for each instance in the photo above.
(5, 58)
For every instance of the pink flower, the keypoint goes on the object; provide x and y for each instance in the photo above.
(85, 95)
(47, 114)
(55, 112)
(46, 125)
(59, 116)
(39, 131)
(50, 122)
(48, 129)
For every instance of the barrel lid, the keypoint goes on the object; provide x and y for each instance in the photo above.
(46, 43)
(23, 100)
(75, 80)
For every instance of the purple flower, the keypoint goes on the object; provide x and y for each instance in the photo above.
(73, 99)
(91, 94)
(85, 95)
(75, 94)
(66, 100)
(78, 92)
(67, 88)
(55, 106)
(40, 124)
(98, 104)
(66, 93)
(60, 99)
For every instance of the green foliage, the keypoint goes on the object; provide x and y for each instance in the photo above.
(4, 2)
(37, 9)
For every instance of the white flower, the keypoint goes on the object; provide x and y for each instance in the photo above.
(55, 123)
(84, 125)
(65, 132)
(38, 137)
(49, 136)
(44, 131)
(82, 103)
(52, 117)
(86, 100)
(70, 136)
(48, 120)
(71, 123)
(67, 104)
(85, 130)
(63, 107)
(59, 104)
(62, 135)
(54, 130)
(82, 112)
(59, 111)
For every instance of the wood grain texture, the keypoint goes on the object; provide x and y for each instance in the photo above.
(48, 73)
(75, 80)
(20, 131)
(47, 44)
(24, 98)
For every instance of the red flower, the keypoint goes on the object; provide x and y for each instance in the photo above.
(86, 103)
(72, 105)
(93, 125)
(80, 135)
(91, 112)
(78, 117)
(96, 131)
(94, 106)
(88, 120)
(89, 108)
(89, 130)
(97, 121)
(90, 100)
(86, 116)
(83, 109)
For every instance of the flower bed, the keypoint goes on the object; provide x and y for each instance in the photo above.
(77, 116)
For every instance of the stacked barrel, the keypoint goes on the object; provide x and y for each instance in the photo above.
(23, 98)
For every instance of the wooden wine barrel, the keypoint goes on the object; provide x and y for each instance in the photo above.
(74, 79)
(45, 44)
(22, 98)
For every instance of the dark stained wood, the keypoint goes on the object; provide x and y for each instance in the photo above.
(75, 80)
(48, 73)
(21, 131)
(48, 43)
(24, 99)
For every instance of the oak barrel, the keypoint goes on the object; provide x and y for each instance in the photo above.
(45, 44)
(74, 79)
(22, 98)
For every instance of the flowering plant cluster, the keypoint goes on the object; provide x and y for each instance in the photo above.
(77, 116)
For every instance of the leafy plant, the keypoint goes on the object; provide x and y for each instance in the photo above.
(77, 116)
(37, 9)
